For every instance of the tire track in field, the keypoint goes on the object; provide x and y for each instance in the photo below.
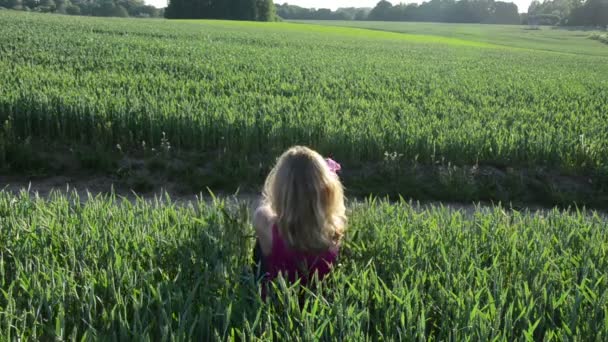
(89, 187)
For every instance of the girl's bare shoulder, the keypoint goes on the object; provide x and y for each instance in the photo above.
(263, 216)
(263, 219)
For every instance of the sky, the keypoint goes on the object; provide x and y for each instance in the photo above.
(522, 5)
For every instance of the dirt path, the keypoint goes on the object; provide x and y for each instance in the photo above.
(84, 187)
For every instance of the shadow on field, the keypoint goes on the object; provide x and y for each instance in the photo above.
(185, 171)
(199, 283)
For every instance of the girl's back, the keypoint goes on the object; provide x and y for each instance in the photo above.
(302, 218)
(295, 264)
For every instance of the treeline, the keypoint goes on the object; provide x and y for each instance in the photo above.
(549, 12)
(100, 8)
(463, 11)
(568, 12)
(260, 10)
(288, 12)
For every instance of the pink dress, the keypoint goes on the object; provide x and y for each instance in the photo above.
(295, 264)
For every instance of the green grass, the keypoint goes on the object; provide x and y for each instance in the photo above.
(542, 38)
(339, 32)
(382, 103)
(112, 269)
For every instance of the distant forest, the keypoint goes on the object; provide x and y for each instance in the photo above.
(549, 12)
(99, 8)
(259, 10)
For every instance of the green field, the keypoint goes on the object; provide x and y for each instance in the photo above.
(427, 111)
(434, 115)
(546, 38)
(111, 269)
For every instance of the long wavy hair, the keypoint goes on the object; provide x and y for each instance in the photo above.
(308, 200)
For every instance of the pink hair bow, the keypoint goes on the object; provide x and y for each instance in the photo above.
(334, 166)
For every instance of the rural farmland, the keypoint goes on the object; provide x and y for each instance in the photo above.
(442, 118)
(423, 112)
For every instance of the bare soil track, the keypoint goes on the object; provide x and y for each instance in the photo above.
(92, 186)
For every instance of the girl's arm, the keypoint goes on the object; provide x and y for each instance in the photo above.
(263, 219)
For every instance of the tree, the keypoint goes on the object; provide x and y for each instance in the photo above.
(175, 9)
(47, 6)
(119, 8)
(119, 11)
(131, 6)
(110, 9)
(72, 10)
(597, 12)
(62, 6)
(362, 14)
(324, 14)
(48, 3)
(434, 10)
(287, 11)
(534, 7)
(221, 9)
(14, 4)
(504, 13)
(348, 13)
(463, 11)
(245, 9)
(146, 11)
(382, 11)
(32, 4)
(265, 10)
(547, 11)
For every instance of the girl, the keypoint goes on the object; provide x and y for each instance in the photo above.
(301, 220)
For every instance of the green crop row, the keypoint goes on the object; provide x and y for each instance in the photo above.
(543, 38)
(255, 88)
(250, 89)
(105, 268)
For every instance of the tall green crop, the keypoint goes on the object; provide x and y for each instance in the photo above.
(106, 268)
(407, 114)
(251, 88)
